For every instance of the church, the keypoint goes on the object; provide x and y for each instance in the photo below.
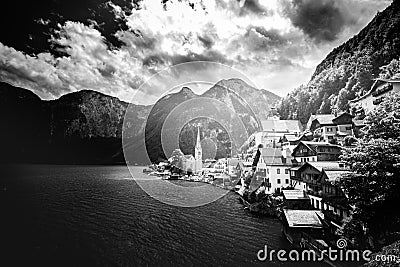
(198, 153)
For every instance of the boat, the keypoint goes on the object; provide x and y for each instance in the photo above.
(146, 170)
(174, 177)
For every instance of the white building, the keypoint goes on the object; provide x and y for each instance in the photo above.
(327, 127)
(276, 168)
(375, 95)
(272, 131)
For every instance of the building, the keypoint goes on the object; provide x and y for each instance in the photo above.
(296, 199)
(243, 167)
(274, 167)
(231, 166)
(221, 165)
(188, 163)
(298, 225)
(198, 153)
(307, 151)
(331, 127)
(272, 131)
(319, 179)
(335, 204)
(290, 141)
(378, 91)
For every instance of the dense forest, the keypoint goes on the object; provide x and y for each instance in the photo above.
(348, 71)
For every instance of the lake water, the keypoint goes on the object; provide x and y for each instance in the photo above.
(99, 216)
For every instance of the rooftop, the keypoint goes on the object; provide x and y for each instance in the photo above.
(281, 126)
(294, 194)
(323, 119)
(233, 162)
(378, 82)
(334, 175)
(273, 156)
(359, 122)
(313, 145)
(304, 218)
(326, 165)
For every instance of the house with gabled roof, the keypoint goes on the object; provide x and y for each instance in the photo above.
(308, 177)
(379, 90)
(307, 151)
(330, 127)
(275, 168)
(319, 180)
(335, 203)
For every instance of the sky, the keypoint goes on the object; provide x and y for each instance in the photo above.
(54, 47)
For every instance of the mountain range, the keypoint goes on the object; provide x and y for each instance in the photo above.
(86, 127)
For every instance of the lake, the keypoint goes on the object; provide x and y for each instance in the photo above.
(99, 216)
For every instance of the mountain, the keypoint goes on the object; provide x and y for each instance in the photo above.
(85, 127)
(80, 127)
(348, 71)
(233, 111)
(261, 101)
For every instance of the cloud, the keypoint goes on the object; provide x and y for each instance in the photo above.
(37, 73)
(321, 20)
(276, 42)
(325, 20)
(88, 64)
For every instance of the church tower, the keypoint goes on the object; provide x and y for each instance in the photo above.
(198, 152)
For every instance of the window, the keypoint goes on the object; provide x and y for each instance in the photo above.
(330, 137)
(278, 171)
(348, 128)
(286, 171)
(278, 181)
(286, 181)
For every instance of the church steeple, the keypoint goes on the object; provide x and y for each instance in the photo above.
(198, 151)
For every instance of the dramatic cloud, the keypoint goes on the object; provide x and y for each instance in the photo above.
(325, 20)
(277, 43)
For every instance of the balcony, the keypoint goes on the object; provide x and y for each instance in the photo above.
(332, 217)
(296, 178)
(383, 89)
(378, 100)
(315, 192)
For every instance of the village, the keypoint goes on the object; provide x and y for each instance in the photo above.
(289, 170)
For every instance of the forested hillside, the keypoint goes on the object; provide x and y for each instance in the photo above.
(348, 71)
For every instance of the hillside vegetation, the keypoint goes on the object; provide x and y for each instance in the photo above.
(348, 71)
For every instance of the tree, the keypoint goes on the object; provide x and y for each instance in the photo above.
(176, 161)
(391, 70)
(343, 100)
(349, 140)
(390, 251)
(373, 185)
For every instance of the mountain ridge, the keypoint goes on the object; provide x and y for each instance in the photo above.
(79, 127)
